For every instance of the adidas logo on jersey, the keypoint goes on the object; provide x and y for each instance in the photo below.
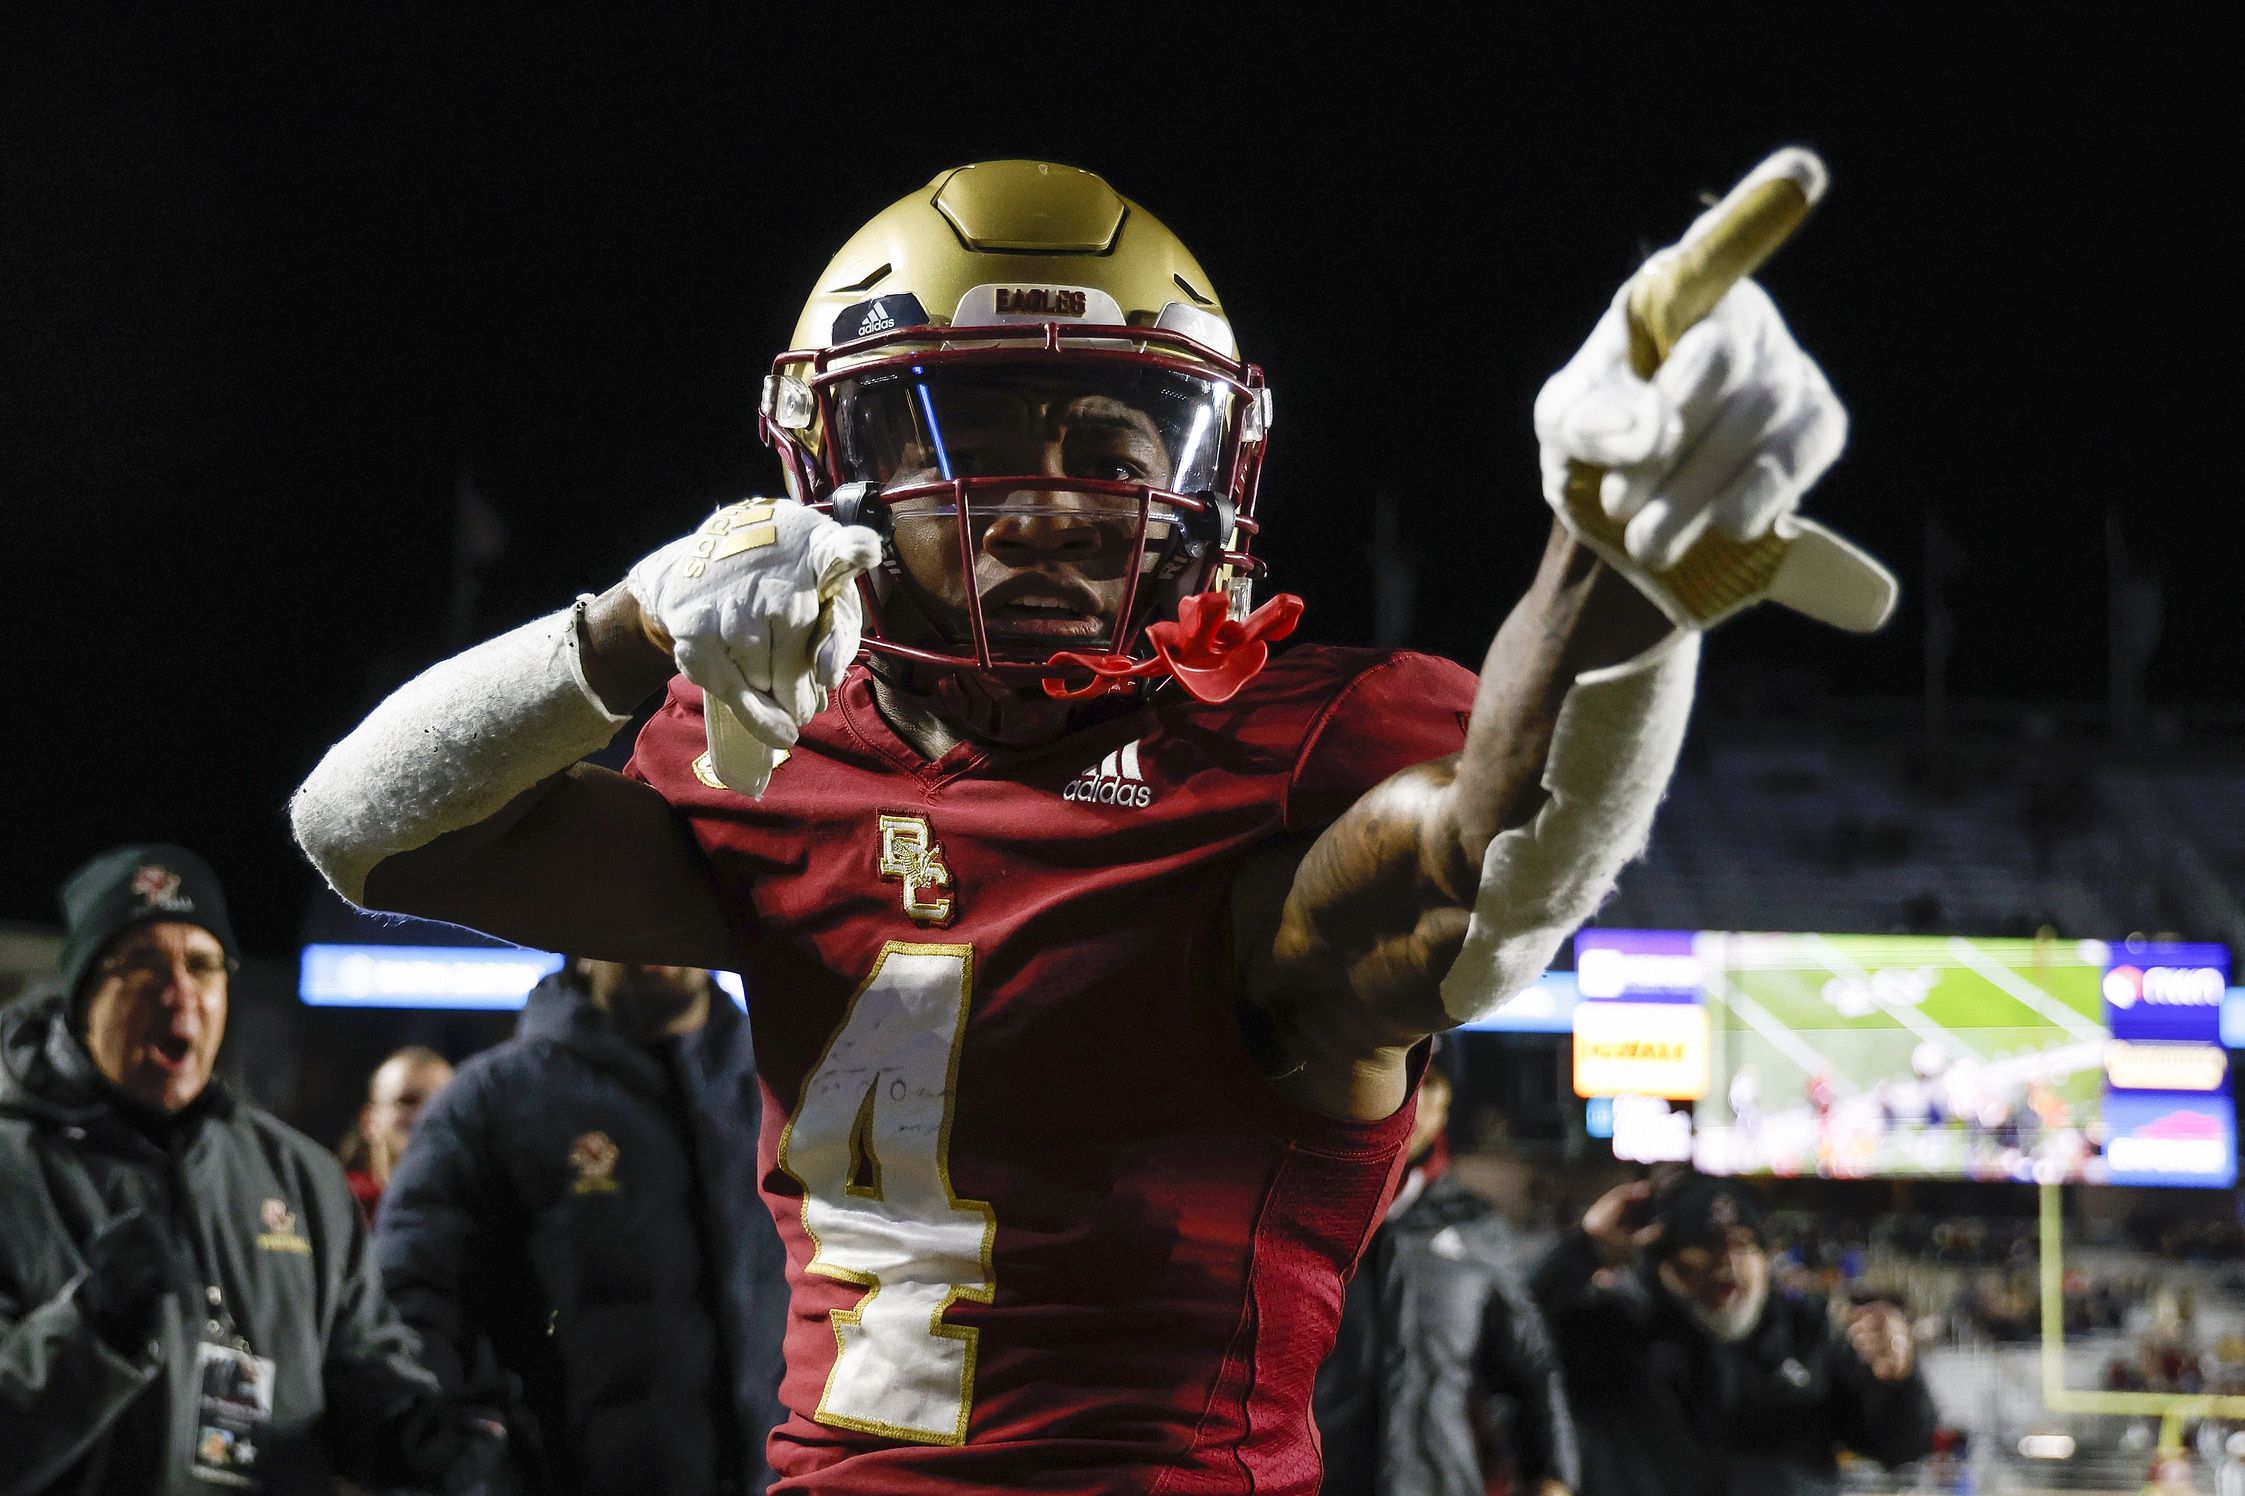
(1116, 781)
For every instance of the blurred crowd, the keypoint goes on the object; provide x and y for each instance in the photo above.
(1974, 1280)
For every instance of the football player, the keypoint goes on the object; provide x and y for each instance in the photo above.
(1092, 945)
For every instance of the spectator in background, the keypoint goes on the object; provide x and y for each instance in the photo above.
(1689, 1377)
(186, 1299)
(2229, 1469)
(578, 1213)
(1442, 1381)
(400, 1086)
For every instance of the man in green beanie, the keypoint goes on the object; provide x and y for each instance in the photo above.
(186, 1300)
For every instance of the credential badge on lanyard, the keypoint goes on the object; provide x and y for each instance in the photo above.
(234, 1402)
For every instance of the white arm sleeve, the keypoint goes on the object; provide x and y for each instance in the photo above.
(1612, 752)
(449, 748)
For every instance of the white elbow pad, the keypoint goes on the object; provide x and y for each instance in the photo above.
(1612, 752)
(449, 748)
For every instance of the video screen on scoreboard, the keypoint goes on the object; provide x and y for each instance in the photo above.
(1873, 1055)
(1854, 1056)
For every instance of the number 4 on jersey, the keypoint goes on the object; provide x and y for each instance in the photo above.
(870, 1143)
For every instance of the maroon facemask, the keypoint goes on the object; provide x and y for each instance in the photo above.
(1057, 500)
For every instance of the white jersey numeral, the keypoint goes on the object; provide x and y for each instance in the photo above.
(870, 1145)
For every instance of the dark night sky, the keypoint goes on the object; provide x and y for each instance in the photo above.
(274, 281)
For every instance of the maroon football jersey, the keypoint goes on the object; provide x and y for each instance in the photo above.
(1048, 1229)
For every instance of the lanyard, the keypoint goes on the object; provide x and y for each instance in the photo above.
(219, 1326)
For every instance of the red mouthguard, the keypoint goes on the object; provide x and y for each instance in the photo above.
(1206, 650)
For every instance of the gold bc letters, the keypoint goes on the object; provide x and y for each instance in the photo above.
(911, 854)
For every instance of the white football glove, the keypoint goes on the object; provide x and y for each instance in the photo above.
(760, 606)
(1730, 431)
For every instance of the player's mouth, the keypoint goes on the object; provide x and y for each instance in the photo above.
(1037, 612)
(172, 1052)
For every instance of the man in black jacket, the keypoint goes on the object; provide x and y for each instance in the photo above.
(1689, 1377)
(577, 1213)
(1442, 1381)
(186, 1299)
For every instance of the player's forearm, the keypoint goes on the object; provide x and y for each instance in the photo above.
(1578, 615)
(1582, 712)
(450, 750)
(1389, 902)
(626, 657)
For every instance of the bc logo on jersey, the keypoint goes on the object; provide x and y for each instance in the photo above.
(911, 855)
(1116, 780)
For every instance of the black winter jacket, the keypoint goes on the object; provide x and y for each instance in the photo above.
(263, 1215)
(1666, 1410)
(584, 1209)
(1441, 1368)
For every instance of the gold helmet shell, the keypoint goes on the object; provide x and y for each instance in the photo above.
(1000, 221)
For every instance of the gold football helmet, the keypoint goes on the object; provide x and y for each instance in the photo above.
(1017, 355)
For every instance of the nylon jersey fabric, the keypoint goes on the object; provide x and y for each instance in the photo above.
(1146, 1242)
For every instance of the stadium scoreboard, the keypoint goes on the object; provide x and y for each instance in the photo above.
(1866, 1056)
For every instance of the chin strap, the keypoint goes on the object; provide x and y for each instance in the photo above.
(1207, 651)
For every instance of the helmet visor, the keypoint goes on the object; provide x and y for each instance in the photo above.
(1108, 420)
(1063, 466)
